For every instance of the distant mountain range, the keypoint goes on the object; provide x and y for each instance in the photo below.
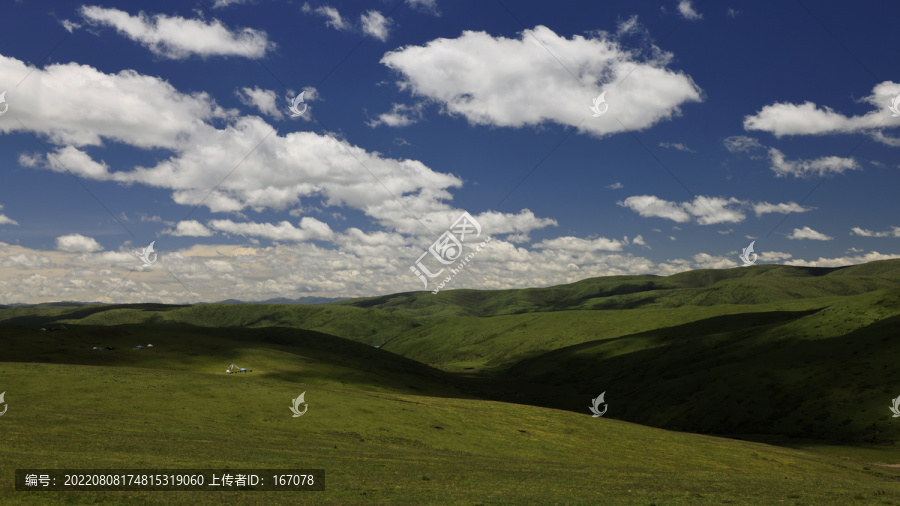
(66, 303)
(283, 300)
(304, 301)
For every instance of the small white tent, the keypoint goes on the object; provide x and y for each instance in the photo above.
(233, 368)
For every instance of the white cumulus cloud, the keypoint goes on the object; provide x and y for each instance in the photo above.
(117, 104)
(264, 100)
(686, 9)
(333, 17)
(225, 3)
(178, 38)
(676, 145)
(804, 168)
(745, 144)
(712, 210)
(841, 261)
(782, 167)
(77, 243)
(894, 232)
(569, 243)
(401, 115)
(809, 118)
(487, 80)
(707, 261)
(375, 24)
(808, 233)
(6, 220)
(191, 228)
(310, 229)
(650, 206)
(706, 210)
(761, 208)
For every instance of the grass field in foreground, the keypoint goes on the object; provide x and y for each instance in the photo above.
(378, 441)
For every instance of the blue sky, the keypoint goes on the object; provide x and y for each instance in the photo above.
(723, 123)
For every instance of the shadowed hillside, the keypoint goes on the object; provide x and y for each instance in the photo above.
(801, 374)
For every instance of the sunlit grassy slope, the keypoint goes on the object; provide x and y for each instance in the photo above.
(386, 430)
(753, 285)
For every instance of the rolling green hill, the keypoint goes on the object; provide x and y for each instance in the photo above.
(753, 285)
(826, 374)
(473, 392)
(369, 326)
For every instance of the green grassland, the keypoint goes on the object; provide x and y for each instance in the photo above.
(384, 435)
(480, 397)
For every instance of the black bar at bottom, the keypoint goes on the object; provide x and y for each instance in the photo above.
(192, 480)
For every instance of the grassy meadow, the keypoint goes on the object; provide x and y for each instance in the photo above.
(760, 385)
